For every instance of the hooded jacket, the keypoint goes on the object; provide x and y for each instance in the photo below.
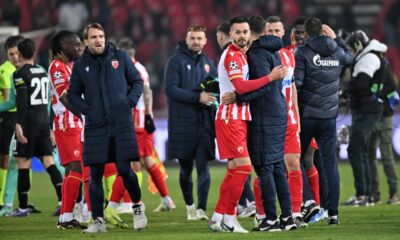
(266, 131)
(319, 64)
(367, 78)
(111, 86)
(187, 117)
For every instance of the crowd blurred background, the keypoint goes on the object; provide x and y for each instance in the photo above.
(157, 25)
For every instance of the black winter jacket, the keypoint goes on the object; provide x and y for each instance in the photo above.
(319, 64)
(111, 87)
(187, 117)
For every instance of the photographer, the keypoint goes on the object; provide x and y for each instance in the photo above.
(367, 74)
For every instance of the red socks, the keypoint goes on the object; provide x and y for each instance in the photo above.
(223, 192)
(158, 179)
(70, 190)
(258, 198)
(295, 182)
(313, 180)
(235, 189)
(118, 190)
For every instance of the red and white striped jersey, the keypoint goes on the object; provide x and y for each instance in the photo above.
(139, 110)
(233, 64)
(60, 74)
(287, 59)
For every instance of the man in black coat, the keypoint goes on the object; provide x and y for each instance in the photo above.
(266, 131)
(319, 64)
(191, 117)
(111, 87)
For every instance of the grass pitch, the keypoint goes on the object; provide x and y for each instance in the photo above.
(378, 222)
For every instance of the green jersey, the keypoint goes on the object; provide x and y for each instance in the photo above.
(6, 71)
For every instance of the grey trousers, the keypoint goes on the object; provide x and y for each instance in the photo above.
(382, 137)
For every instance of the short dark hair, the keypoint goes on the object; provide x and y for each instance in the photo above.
(257, 24)
(12, 41)
(238, 20)
(273, 19)
(196, 28)
(26, 48)
(89, 26)
(128, 46)
(224, 27)
(300, 21)
(313, 27)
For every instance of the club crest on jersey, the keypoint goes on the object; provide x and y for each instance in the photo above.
(76, 153)
(233, 65)
(207, 67)
(240, 149)
(115, 64)
(57, 75)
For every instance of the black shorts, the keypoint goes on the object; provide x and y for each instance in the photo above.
(7, 129)
(36, 146)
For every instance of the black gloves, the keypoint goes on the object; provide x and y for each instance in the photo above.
(149, 124)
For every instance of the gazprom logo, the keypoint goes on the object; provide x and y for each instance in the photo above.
(324, 63)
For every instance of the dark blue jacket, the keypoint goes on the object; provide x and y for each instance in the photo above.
(266, 131)
(319, 64)
(186, 116)
(111, 87)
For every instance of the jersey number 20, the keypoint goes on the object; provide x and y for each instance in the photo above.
(41, 93)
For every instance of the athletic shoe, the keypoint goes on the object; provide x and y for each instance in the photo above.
(333, 220)
(56, 213)
(309, 210)
(374, 199)
(73, 224)
(32, 209)
(18, 213)
(215, 226)
(240, 209)
(124, 208)
(249, 211)
(393, 200)
(234, 227)
(269, 226)
(139, 218)
(287, 224)
(318, 217)
(201, 214)
(357, 201)
(5, 210)
(191, 213)
(257, 222)
(78, 212)
(298, 220)
(165, 205)
(111, 216)
(98, 226)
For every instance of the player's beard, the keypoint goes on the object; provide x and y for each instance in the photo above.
(241, 42)
(196, 48)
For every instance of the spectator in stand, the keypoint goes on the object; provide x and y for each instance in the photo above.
(72, 15)
(391, 24)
